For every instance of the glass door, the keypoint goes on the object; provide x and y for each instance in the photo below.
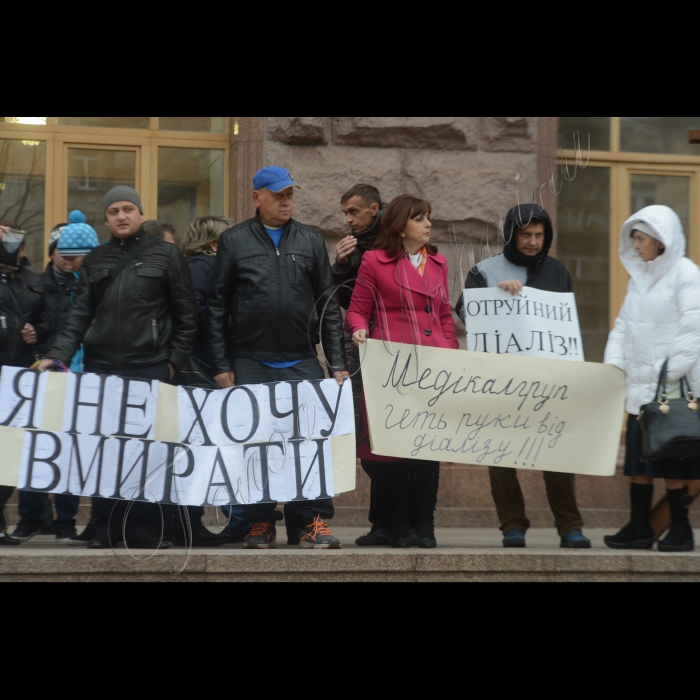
(91, 171)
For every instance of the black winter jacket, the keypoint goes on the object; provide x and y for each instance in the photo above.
(346, 273)
(147, 316)
(274, 298)
(202, 269)
(58, 300)
(23, 288)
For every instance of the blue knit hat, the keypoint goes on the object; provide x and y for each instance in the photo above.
(78, 238)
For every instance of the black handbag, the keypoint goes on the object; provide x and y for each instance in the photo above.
(670, 428)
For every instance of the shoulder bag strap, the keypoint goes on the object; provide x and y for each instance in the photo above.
(661, 389)
(117, 270)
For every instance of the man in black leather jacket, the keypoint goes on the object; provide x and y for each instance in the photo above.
(24, 322)
(272, 278)
(144, 327)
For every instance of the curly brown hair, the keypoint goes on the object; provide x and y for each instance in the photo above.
(394, 222)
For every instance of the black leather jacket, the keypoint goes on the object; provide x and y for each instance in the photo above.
(59, 298)
(272, 296)
(147, 316)
(23, 288)
(346, 273)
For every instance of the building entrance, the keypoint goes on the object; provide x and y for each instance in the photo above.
(50, 166)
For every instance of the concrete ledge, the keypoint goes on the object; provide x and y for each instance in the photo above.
(474, 559)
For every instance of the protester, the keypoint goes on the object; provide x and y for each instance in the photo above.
(525, 262)
(199, 249)
(363, 209)
(659, 321)
(136, 315)
(402, 296)
(272, 277)
(68, 245)
(160, 230)
(24, 322)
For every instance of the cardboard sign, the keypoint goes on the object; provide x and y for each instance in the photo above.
(99, 436)
(495, 410)
(533, 324)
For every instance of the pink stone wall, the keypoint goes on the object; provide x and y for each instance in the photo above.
(468, 168)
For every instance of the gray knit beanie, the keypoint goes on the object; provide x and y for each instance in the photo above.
(122, 194)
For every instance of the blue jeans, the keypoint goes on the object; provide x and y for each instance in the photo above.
(236, 518)
(31, 507)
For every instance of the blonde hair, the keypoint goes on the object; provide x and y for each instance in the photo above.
(203, 232)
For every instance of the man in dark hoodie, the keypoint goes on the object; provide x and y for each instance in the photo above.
(525, 262)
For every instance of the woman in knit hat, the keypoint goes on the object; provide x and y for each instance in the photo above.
(68, 245)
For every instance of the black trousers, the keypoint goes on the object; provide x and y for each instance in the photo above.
(141, 518)
(250, 372)
(404, 484)
(5, 495)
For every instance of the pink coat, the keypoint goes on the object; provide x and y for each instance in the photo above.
(405, 307)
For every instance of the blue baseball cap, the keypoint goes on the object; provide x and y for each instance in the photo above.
(274, 179)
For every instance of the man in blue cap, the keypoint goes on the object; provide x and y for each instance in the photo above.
(272, 276)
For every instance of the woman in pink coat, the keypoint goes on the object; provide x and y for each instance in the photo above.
(402, 296)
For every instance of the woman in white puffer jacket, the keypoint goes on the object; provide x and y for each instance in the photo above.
(660, 321)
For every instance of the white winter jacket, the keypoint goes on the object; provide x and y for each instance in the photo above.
(660, 318)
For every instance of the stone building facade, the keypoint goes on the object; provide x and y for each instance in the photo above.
(469, 168)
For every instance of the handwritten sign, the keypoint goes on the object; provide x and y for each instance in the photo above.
(98, 436)
(533, 324)
(501, 411)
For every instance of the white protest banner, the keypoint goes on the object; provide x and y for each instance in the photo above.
(90, 435)
(502, 411)
(532, 324)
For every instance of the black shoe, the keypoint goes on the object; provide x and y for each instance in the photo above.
(638, 534)
(65, 532)
(7, 541)
(147, 541)
(26, 530)
(101, 538)
(87, 537)
(681, 538)
(515, 539)
(401, 543)
(376, 538)
(424, 536)
(202, 538)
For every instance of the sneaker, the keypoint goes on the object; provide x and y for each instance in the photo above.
(376, 538)
(64, 533)
(262, 536)
(575, 540)
(318, 536)
(26, 530)
(515, 539)
(87, 537)
(7, 541)
(237, 535)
